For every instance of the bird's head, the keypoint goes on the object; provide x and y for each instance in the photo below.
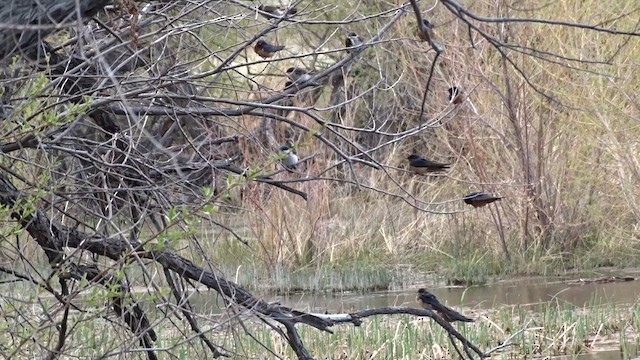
(428, 24)
(292, 71)
(422, 291)
(413, 157)
(261, 43)
(352, 35)
(285, 147)
(296, 71)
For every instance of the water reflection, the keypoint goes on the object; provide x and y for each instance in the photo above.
(530, 291)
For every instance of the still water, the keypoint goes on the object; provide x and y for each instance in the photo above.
(513, 292)
(524, 292)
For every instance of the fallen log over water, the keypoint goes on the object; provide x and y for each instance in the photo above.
(600, 280)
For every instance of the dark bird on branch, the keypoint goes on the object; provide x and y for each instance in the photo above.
(274, 12)
(266, 50)
(428, 31)
(299, 76)
(352, 40)
(430, 302)
(422, 166)
(288, 156)
(479, 199)
(455, 95)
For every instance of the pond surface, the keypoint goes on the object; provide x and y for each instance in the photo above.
(526, 292)
(561, 290)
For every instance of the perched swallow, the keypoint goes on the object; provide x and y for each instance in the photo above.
(479, 199)
(428, 34)
(455, 95)
(430, 302)
(352, 40)
(266, 50)
(422, 166)
(290, 159)
(274, 12)
(300, 76)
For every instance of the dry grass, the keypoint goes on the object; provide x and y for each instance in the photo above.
(574, 162)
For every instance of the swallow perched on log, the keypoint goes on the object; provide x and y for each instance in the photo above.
(266, 50)
(352, 40)
(299, 76)
(289, 158)
(274, 12)
(479, 199)
(422, 166)
(455, 95)
(430, 302)
(428, 31)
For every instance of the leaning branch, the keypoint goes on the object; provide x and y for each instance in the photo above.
(53, 237)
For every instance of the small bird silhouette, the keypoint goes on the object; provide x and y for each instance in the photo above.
(430, 302)
(289, 158)
(428, 34)
(299, 76)
(274, 12)
(266, 50)
(352, 40)
(422, 166)
(455, 95)
(479, 199)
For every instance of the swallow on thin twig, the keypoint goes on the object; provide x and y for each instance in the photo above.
(299, 76)
(422, 166)
(428, 33)
(479, 199)
(455, 95)
(266, 50)
(274, 12)
(289, 157)
(352, 40)
(430, 302)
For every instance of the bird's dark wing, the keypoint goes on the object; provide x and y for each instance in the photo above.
(452, 315)
(446, 312)
(272, 48)
(429, 298)
(422, 162)
(483, 197)
(472, 196)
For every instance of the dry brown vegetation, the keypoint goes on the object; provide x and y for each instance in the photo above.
(566, 161)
